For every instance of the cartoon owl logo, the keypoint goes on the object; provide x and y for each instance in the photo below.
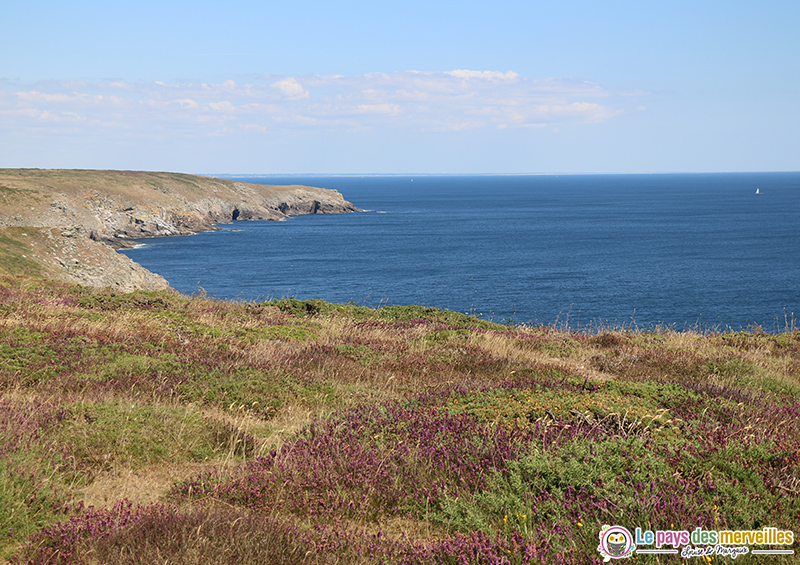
(616, 542)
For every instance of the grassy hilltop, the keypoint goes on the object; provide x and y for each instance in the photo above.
(64, 224)
(151, 427)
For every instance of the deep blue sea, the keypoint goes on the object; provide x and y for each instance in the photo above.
(680, 250)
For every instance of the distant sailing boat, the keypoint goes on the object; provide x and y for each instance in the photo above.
(757, 192)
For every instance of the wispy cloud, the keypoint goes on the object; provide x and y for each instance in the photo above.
(421, 101)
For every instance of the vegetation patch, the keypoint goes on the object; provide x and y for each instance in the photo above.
(521, 406)
(336, 433)
(16, 254)
(104, 435)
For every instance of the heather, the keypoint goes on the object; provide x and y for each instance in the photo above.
(307, 432)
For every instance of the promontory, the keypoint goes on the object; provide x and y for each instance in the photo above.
(66, 224)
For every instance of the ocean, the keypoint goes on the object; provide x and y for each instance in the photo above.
(697, 251)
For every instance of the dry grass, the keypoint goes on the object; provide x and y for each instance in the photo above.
(145, 389)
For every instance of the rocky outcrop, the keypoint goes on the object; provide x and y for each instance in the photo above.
(120, 219)
(109, 209)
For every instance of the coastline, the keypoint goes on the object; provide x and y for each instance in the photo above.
(67, 224)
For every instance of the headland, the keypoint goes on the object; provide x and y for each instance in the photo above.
(66, 224)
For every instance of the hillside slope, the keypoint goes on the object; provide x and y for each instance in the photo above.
(72, 218)
(304, 432)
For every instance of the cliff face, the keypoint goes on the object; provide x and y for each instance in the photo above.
(82, 214)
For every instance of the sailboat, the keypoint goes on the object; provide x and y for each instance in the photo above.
(757, 192)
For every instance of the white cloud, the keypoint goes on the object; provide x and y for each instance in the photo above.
(188, 103)
(224, 107)
(291, 89)
(485, 75)
(379, 108)
(454, 100)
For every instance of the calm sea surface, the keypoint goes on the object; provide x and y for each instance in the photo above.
(683, 250)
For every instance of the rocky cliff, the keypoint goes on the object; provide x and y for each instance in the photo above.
(75, 218)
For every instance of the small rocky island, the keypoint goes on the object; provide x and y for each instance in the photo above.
(66, 224)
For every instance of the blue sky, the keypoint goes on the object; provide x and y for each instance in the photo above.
(413, 87)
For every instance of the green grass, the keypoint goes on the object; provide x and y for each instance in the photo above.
(643, 429)
(110, 434)
(15, 253)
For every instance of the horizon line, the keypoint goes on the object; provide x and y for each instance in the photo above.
(309, 174)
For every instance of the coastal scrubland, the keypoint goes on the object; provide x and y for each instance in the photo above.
(153, 427)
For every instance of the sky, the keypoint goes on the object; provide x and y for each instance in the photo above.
(360, 87)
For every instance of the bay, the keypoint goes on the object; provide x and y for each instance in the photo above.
(697, 251)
